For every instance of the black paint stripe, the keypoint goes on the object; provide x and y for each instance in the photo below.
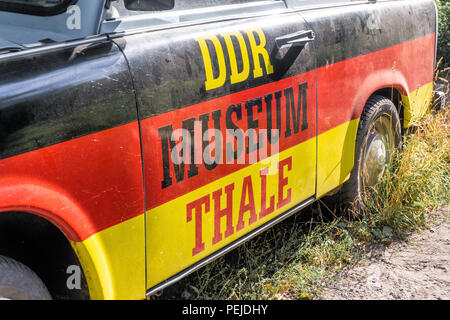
(48, 98)
(51, 97)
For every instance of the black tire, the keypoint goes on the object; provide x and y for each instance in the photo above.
(379, 112)
(18, 282)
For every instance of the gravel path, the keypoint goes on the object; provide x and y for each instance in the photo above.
(416, 269)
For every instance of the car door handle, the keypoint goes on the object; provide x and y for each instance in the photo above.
(297, 39)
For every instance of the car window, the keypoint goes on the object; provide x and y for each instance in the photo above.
(35, 7)
(41, 3)
(118, 18)
(182, 5)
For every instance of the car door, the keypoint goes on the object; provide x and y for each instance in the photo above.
(227, 106)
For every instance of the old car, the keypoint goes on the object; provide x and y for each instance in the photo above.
(141, 139)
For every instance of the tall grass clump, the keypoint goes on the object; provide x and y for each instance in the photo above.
(417, 182)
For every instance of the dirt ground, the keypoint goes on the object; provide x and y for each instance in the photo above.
(405, 270)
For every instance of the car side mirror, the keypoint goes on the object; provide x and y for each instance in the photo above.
(149, 5)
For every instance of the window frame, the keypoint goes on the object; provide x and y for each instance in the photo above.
(170, 18)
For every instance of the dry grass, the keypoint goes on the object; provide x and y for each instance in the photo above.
(418, 180)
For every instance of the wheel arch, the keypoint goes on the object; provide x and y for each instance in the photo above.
(27, 204)
(388, 83)
(385, 82)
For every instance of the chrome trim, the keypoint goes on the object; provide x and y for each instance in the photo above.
(60, 45)
(331, 5)
(339, 4)
(228, 248)
(375, 160)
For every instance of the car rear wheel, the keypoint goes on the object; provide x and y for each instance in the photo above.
(18, 282)
(378, 135)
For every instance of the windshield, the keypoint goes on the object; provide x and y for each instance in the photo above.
(36, 7)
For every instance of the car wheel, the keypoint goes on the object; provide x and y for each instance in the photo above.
(18, 282)
(378, 135)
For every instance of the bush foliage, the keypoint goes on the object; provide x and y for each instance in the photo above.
(444, 31)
